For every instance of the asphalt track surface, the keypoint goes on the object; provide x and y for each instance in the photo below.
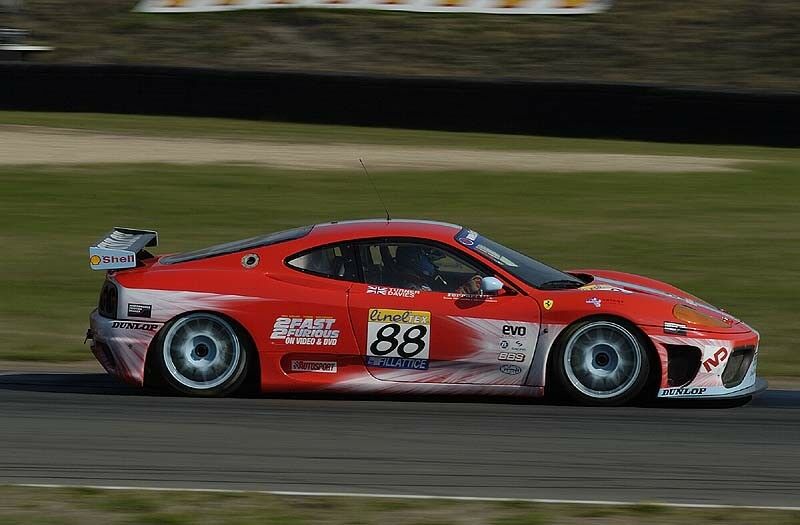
(75, 428)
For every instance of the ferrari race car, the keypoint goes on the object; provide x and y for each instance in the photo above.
(402, 306)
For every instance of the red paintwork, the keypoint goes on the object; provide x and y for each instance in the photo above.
(256, 297)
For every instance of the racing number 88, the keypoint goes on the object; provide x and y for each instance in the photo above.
(394, 344)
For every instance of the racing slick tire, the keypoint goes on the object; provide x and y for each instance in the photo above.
(202, 354)
(601, 362)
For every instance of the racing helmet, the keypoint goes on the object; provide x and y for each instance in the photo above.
(414, 259)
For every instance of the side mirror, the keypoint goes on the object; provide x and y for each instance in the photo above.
(491, 285)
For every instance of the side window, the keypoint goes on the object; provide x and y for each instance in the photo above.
(330, 261)
(417, 266)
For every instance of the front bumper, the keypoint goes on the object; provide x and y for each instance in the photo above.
(723, 366)
(757, 386)
(121, 346)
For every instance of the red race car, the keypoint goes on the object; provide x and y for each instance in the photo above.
(402, 306)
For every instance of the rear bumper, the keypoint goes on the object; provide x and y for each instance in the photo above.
(121, 346)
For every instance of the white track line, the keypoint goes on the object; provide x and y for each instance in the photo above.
(409, 496)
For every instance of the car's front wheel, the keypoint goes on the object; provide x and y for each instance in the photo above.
(602, 362)
(202, 354)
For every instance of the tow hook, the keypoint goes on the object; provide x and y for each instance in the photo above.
(89, 335)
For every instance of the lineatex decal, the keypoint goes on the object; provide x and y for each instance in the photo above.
(305, 330)
(398, 339)
(321, 367)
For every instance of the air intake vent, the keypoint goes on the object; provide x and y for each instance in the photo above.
(684, 362)
(738, 365)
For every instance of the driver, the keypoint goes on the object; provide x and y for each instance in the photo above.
(416, 271)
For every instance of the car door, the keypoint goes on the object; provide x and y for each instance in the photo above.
(431, 330)
(311, 331)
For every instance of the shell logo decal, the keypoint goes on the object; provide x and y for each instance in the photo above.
(94, 260)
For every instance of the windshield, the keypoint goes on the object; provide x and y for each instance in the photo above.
(517, 264)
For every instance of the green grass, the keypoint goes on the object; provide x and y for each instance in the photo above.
(741, 43)
(27, 505)
(731, 238)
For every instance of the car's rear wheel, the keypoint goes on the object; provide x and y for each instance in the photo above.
(203, 354)
(602, 362)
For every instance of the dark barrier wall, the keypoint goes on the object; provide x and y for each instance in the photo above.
(541, 108)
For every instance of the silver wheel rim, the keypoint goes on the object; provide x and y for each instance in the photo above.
(201, 351)
(602, 360)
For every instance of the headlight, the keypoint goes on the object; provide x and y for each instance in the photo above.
(689, 315)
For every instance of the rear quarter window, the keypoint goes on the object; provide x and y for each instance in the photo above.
(336, 262)
(237, 246)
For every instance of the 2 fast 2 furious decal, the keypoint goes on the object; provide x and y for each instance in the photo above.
(305, 330)
(398, 339)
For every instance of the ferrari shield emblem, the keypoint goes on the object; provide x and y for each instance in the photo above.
(547, 303)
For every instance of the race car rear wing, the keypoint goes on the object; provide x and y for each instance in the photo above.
(120, 248)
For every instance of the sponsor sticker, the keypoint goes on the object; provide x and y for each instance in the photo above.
(469, 238)
(305, 330)
(670, 392)
(127, 325)
(398, 339)
(604, 288)
(392, 292)
(674, 328)
(515, 330)
(511, 356)
(597, 303)
(511, 370)
(717, 359)
(97, 260)
(398, 362)
(470, 297)
(321, 367)
(139, 310)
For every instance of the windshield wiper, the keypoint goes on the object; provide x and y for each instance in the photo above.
(560, 284)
